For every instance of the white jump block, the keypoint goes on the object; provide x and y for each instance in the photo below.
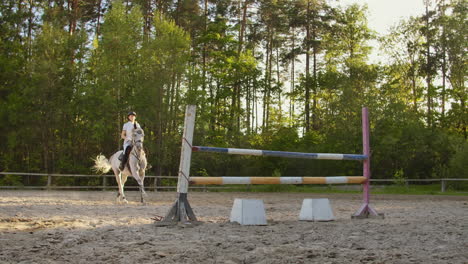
(316, 210)
(248, 212)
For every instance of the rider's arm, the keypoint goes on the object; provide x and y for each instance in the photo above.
(123, 135)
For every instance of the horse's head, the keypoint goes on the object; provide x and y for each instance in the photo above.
(137, 138)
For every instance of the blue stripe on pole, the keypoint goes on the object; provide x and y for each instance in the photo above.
(354, 157)
(284, 154)
(210, 149)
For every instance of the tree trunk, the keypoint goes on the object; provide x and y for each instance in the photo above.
(205, 12)
(73, 10)
(98, 20)
(463, 107)
(148, 17)
(415, 93)
(270, 70)
(239, 51)
(30, 25)
(267, 77)
(158, 132)
(278, 83)
(315, 84)
(171, 103)
(444, 62)
(292, 89)
(307, 70)
(428, 75)
(242, 27)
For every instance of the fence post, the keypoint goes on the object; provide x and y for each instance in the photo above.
(155, 184)
(49, 181)
(104, 182)
(442, 185)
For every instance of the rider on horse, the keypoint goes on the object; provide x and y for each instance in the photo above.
(127, 137)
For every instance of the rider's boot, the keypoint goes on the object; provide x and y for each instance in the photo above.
(124, 159)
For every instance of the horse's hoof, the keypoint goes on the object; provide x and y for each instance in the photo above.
(125, 201)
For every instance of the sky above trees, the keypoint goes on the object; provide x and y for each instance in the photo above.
(385, 14)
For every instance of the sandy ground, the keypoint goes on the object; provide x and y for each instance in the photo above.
(89, 227)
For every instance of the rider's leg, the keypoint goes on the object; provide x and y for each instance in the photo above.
(123, 160)
(125, 157)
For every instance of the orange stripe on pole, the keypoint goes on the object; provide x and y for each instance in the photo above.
(356, 179)
(206, 180)
(314, 180)
(265, 180)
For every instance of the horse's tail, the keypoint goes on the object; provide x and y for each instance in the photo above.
(102, 164)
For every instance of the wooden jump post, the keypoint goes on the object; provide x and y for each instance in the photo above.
(182, 212)
(366, 210)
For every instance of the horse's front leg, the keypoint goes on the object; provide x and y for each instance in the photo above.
(120, 193)
(139, 179)
(124, 180)
(142, 188)
(143, 194)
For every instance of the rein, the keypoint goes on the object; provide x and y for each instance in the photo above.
(137, 137)
(135, 153)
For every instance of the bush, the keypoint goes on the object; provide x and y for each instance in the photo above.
(11, 180)
(458, 166)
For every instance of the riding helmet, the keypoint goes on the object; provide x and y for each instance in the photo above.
(131, 113)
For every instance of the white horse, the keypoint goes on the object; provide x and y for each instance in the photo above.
(136, 166)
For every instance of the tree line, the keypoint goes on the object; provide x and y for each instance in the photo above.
(282, 75)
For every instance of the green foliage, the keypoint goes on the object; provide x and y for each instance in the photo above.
(276, 173)
(458, 167)
(11, 180)
(399, 177)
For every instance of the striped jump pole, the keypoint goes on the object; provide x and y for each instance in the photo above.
(284, 154)
(277, 180)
